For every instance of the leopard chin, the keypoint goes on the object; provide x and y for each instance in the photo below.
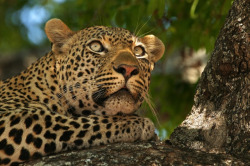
(120, 102)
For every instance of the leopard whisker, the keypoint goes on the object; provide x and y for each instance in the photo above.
(146, 33)
(151, 105)
(143, 25)
(137, 25)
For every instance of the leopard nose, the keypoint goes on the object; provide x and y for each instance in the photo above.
(127, 70)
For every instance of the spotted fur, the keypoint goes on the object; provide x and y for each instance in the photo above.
(82, 93)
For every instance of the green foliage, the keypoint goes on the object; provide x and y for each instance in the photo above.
(172, 99)
(179, 24)
(11, 36)
(192, 23)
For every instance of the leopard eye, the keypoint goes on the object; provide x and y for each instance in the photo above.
(139, 51)
(96, 46)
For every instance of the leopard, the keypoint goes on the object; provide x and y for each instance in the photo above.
(84, 92)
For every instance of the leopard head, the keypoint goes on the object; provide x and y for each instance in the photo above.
(102, 70)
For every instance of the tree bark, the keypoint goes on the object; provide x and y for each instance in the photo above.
(216, 132)
(220, 117)
(136, 154)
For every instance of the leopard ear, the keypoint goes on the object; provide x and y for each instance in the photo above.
(57, 32)
(154, 46)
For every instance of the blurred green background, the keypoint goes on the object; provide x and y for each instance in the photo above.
(188, 29)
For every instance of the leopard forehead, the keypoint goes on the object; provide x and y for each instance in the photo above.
(113, 34)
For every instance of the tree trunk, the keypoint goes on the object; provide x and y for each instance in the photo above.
(220, 117)
(218, 125)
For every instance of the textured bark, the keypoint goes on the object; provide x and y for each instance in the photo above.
(138, 153)
(220, 117)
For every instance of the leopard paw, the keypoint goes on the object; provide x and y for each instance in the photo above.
(148, 131)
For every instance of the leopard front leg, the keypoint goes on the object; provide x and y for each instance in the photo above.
(27, 134)
(125, 128)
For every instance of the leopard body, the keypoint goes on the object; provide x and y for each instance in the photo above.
(83, 93)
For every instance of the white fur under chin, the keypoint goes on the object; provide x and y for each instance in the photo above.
(120, 102)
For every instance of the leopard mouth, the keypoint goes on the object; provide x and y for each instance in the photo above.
(121, 94)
